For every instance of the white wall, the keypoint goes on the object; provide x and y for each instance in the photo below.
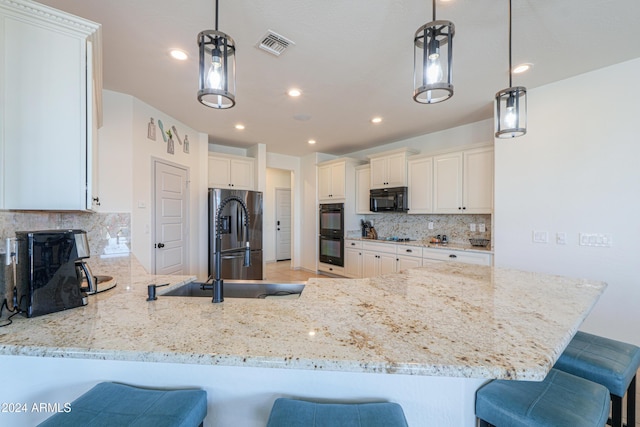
(115, 160)
(126, 158)
(276, 179)
(473, 133)
(577, 171)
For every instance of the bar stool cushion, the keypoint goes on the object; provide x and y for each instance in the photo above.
(112, 404)
(561, 399)
(301, 413)
(601, 360)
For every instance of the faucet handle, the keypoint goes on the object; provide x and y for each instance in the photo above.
(247, 255)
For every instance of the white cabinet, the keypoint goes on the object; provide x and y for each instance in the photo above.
(353, 259)
(378, 258)
(463, 181)
(331, 181)
(363, 179)
(233, 172)
(420, 183)
(50, 90)
(468, 257)
(408, 257)
(389, 169)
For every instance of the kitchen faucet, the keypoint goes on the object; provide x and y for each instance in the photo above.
(218, 282)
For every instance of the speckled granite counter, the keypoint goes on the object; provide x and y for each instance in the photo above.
(427, 244)
(448, 319)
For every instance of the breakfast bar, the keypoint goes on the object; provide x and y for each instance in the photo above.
(425, 338)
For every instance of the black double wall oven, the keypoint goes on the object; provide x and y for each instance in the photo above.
(331, 239)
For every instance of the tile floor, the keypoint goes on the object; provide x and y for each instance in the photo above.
(282, 271)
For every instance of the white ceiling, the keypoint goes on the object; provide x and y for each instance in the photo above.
(352, 59)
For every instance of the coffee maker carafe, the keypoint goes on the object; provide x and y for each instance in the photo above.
(46, 276)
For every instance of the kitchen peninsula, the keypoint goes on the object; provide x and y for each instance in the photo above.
(426, 338)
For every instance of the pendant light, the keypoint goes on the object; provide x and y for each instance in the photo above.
(432, 57)
(511, 105)
(217, 86)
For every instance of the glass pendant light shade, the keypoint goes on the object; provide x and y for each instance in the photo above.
(511, 112)
(217, 88)
(432, 57)
(511, 105)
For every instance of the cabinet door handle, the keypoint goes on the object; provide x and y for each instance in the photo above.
(409, 251)
(160, 245)
(453, 256)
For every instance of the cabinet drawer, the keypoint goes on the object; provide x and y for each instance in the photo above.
(412, 251)
(457, 256)
(353, 244)
(379, 247)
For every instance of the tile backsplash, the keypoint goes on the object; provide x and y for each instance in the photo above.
(456, 227)
(108, 235)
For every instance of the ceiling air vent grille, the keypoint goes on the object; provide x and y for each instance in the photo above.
(274, 43)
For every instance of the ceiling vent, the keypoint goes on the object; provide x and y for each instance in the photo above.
(274, 43)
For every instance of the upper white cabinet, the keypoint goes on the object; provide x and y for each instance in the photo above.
(420, 183)
(50, 107)
(233, 172)
(389, 169)
(331, 180)
(363, 180)
(463, 181)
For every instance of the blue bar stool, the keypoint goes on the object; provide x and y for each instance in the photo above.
(111, 404)
(613, 364)
(302, 413)
(560, 400)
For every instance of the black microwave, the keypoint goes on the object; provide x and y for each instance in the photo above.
(388, 200)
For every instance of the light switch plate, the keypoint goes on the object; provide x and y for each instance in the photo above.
(481, 228)
(472, 227)
(540, 237)
(430, 225)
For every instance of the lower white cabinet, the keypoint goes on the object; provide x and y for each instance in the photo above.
(353, 259)
(457, 256)
(370, 259)
(408, 257)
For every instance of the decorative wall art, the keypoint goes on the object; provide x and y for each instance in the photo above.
(170, 147)
(151, 130)
(169, 136)
(162, 130)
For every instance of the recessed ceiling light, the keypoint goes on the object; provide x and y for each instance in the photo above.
(178, 54)
(376, 120)
(522, 68)
(312, 141)
(293, 92)
(240, 126)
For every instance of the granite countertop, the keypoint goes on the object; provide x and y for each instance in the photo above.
(447, 319)
(428, 244)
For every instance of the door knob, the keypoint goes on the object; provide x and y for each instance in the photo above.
(160, 245)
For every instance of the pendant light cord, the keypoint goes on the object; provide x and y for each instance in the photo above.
(216, 15)
(434, 10)
(510, 66)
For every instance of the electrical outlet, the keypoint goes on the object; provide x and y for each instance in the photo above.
(430, 225)
(602, 240)
(481, 228)
(472, 227)
(540, 237)
(561, 238)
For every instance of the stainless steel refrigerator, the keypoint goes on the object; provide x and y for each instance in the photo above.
(233, 233)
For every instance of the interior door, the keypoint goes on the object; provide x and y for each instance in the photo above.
(283, 224)
(171, 212)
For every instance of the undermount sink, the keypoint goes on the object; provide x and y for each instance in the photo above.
(240, 289)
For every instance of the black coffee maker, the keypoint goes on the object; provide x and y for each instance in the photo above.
(46, 276)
